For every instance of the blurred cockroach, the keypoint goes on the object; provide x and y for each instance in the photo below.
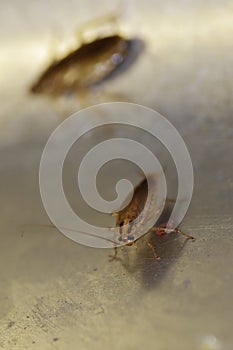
(84, 67)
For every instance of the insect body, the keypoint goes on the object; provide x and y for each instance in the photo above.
(132, 212)
(84, 67)
(131, 221)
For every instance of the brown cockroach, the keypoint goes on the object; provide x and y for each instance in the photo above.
(84, 67)
(99, 54)
(129, 232)
(130, 221)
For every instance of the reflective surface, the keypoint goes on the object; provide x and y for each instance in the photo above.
(57, 293)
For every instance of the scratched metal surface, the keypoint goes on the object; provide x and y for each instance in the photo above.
(57, 294)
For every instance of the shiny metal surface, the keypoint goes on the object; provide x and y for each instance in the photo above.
(57, 294)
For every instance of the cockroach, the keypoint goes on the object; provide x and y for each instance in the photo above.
(84, 67)
(130, 222)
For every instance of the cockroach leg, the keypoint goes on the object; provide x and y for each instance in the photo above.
(114, 256)
(150, 245)
(177, 230)
(162, 231)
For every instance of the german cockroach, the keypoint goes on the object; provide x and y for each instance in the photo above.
(84, 67)
(130, 222)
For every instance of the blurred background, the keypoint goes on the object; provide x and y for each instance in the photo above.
(56, 293)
